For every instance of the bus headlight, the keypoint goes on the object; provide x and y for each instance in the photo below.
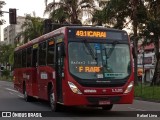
(74, 88)
(129, 88)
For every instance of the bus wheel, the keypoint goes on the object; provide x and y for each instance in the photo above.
(53, 104)
(107, 107)
(26, 96)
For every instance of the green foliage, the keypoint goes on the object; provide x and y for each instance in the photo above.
(5, 52)
(147, 92)
(33, 28)
(72, 10)
(142, 13)
(98, 17)
(6, 58)
(11, 58)
(2, 21)
(58, 15)
(5, 73)
(144, 16)
(114, 13)
(151, 30)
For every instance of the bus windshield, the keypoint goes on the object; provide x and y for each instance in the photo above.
(99, 60)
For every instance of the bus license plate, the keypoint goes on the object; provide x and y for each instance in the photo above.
(106, 102)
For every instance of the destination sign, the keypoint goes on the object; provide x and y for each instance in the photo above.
(91, 33)
(90, 69)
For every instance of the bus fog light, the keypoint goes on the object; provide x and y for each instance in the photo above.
(129, 88)
(74, 88)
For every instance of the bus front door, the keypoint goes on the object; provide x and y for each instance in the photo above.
(59, 72)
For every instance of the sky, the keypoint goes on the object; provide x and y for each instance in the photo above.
(24, 7)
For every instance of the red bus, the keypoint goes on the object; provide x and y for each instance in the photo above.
(75, 66)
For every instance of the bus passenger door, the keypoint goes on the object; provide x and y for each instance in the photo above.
(59, 72)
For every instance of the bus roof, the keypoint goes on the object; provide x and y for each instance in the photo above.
(62, 30)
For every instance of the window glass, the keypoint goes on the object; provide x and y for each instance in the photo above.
(24, 58)
(50, 52)
(19, 59)
(42, 53)
(99, 60)
(29, 56)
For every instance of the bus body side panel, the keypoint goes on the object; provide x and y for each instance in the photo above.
(45, 75)
(27, 77)
(18, 83)
(32, 89)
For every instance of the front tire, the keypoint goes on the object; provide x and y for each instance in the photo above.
(27, 98)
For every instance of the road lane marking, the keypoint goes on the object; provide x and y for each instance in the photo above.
(11, 90)
(136, 109)
(21, 96)
(11, 93)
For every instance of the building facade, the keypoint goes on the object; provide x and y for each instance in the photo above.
(10, 32)
(147, 61)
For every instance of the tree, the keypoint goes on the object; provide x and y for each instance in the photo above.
(6, 51)
(72, 10)
(152, 32)
(32, 28)
(114, 13)
(2, 21)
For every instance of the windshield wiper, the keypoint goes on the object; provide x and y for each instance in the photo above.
(87, 45)
(108, 54)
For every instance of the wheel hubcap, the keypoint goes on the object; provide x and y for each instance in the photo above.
(52, 100)
(25, 95)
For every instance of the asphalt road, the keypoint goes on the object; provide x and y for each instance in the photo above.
(11, 100)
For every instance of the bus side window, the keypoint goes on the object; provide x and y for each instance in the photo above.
(50, 52)
(42, 53)
(24, 58)
(19, 59)
(34, 57)
(29, 56)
